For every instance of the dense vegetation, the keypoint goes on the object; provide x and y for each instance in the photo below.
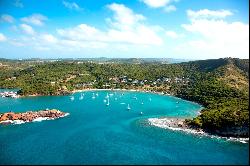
(220, 85)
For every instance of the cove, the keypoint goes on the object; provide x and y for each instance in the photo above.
(95, 133)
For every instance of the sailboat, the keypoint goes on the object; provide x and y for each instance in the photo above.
(93, 96)
(81, 97)
(107, 96)
(128, 107)
(107, 103)
(72, 98)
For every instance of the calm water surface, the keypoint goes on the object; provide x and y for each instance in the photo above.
(94, 133)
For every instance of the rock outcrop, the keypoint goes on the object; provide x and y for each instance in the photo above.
(29, 116)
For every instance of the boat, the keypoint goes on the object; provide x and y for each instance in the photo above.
(150, 99)
(128, 107)
(81, 97)
(141, 113)
(142, 103)
(135, 97)
(72, 98)
(93, 96)
(107, 96)
(107, 103)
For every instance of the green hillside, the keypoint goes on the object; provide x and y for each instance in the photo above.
(220, 85)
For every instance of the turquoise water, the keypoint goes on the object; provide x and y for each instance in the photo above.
(94, 133)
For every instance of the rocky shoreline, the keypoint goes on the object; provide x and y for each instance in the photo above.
(178, 124)
(30, 116)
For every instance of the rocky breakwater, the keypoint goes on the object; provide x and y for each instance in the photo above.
(30, 116)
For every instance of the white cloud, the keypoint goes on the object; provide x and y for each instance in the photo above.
(27, 29)
(156, 3)
(35, 19)
(124, 18)
(124, 30)
(170, 8)
(164, 4)
(205, 13)
(125, 27)
(214, 38)
(2, 37)
(18, 3)
(49, 38)
(72, 6)
(173, 34)
(7, 18)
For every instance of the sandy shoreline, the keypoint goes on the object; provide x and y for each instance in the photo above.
(177, 124)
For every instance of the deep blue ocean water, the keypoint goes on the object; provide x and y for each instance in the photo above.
(94, 133)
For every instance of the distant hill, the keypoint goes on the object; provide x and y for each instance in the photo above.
(105, 60)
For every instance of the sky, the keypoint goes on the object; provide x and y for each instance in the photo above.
(180, 29)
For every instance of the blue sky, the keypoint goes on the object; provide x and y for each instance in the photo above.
(186, 29)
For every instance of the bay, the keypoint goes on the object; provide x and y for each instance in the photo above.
(95, 133)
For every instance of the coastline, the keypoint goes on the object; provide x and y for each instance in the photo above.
(177, 124)
(158, 122)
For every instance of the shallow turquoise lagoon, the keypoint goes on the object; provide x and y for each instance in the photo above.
(94, 133)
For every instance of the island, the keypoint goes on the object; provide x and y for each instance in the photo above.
(30, 116)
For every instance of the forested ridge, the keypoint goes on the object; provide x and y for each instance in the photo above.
(220, 85)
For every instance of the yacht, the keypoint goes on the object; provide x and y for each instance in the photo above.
(128, 107)
(81, 97)
(72, 98)
(93, 96)
(107, 103)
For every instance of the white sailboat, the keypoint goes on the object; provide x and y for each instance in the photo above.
(72, 98)
(81, 97)
(93, 96)
(107, 102)
(128, 107)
